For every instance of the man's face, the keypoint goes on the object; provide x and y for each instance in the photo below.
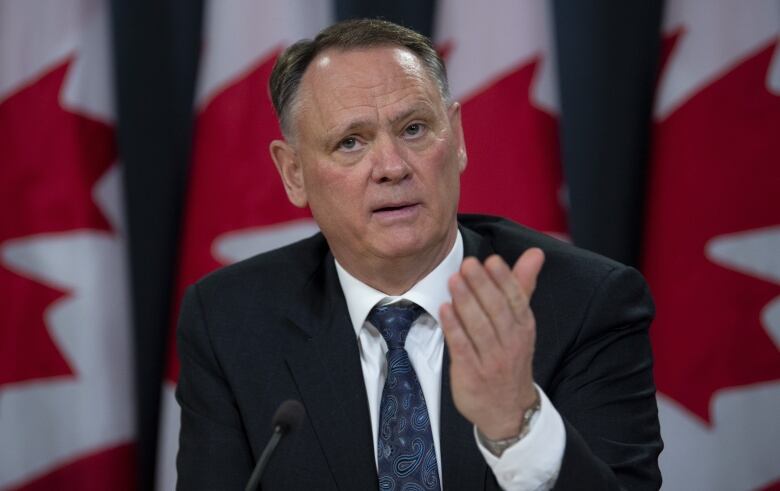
(377, 156)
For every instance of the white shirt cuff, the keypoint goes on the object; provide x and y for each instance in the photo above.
(534, 462)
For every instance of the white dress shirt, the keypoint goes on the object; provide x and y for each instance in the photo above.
(530, 464)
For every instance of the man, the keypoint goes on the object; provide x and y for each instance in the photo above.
(424, 361)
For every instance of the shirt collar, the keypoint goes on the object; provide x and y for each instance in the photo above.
(429, 293)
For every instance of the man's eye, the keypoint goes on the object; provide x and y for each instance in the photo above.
(414, 129)
(349, 144)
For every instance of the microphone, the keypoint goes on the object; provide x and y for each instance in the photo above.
(287, 418)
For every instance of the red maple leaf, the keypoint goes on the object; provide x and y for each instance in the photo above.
(51, 160)
(714, 172)
(108, 468)
(514, 165)
(233, 183)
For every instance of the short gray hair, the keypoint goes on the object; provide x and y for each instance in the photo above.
(350, 34)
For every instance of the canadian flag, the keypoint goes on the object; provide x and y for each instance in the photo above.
(712, 245)
(501, 66)
(236, 206)
(66, 387)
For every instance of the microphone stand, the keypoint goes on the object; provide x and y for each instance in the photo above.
(254, 479)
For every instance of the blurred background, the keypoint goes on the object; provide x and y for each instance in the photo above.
(133, 160)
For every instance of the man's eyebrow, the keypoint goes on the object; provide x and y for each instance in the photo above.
(417, 108)
(338, 131)
(358, 124)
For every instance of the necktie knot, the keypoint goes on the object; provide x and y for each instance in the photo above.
(394, 321)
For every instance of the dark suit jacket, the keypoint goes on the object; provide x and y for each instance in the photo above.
(276, 327)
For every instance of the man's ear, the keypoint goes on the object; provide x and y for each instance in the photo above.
(453, 112)
(289, 167)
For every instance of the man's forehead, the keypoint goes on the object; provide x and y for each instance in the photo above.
(345, 87)
(356, 67)
(401, 55)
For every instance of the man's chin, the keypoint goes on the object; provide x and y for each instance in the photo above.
(407, 242)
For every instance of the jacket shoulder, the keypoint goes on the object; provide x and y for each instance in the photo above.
(276, 271)
(510, 239)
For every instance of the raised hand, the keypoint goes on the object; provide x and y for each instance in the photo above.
(490, 331)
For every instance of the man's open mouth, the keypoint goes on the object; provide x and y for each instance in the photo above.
(393, 208)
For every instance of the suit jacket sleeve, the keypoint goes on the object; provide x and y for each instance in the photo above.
(213, 450)
(605, 393)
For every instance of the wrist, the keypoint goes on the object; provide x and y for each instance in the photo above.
(497, 446)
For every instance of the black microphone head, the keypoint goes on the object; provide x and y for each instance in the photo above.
(289, 415)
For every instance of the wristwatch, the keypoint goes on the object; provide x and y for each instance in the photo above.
(497, 447)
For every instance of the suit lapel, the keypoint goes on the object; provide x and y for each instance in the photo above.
(462, 464)
(475, 245)
(326, 368)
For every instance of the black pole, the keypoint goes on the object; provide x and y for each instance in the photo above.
(414, 14)
(155, 63)
(607, 58)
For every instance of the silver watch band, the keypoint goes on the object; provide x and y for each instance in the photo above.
(497, 447)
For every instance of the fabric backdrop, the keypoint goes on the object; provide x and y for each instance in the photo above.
(133, 160)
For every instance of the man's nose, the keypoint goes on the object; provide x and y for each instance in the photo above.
(389, 161)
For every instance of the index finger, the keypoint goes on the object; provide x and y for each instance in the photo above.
(527, 269)
(518, 284)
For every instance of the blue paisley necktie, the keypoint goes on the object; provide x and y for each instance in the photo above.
(405, 452)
